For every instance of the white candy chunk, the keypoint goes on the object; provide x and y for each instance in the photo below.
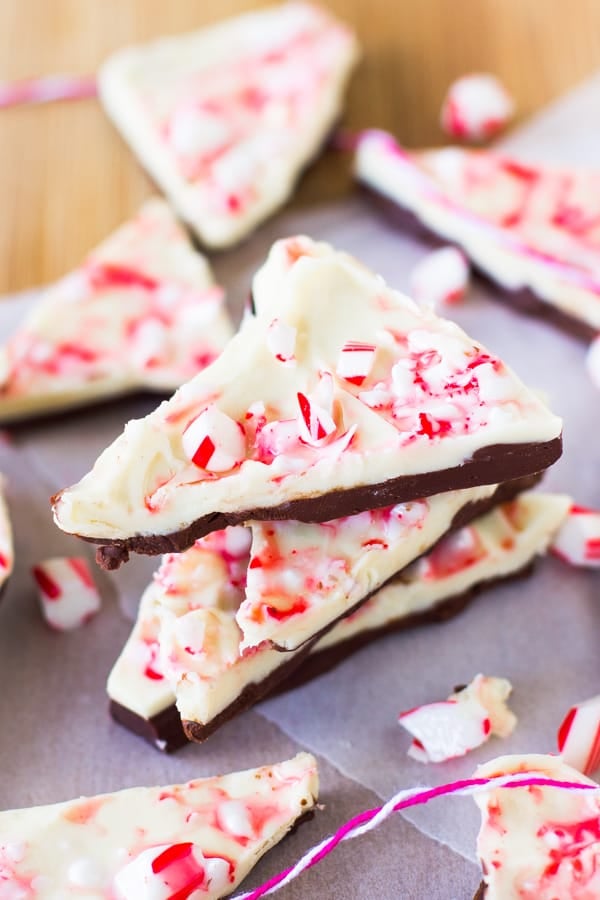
(281, 340)
(148, 342)
(476, 107)
(214, 441)
(466, 720)
(86, 873)
(194, 132)
(578, 541)
(315, 423)
(162, 872)
(592, 362)
(442, 277)
(495, 385)
(579, 736)
(356, 361)
(67, 593)
(234, 819)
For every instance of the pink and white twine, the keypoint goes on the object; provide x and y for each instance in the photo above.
(371, 818)
(46, 89)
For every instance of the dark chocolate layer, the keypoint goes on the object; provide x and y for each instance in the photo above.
(522, 299)
(490, 465)
(165, 729)
(480, 895)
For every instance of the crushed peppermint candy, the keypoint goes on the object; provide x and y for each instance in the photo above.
(579, 736)
(281, 340)
(214, 441)
(171, 871)
(356, 361)
(464, 721)
(315, 420)
(441, 277)
(578, 541)
(476, 108)
(67, 593)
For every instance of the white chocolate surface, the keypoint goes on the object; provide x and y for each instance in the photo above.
(101, 848)
(432, 399)
(206, 585)
(142, 312)
(226, 118)
(525, 226)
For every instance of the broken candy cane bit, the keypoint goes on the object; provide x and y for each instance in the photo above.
(579, 736)
(171, 870)
(440, 278)
(215, 442)
(315, 423)
(356, 361)
(476, 107)
(578, 541)
(281, 340)
(464, 721)
(67, 593)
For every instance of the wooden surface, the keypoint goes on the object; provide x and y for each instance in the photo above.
(66, 178)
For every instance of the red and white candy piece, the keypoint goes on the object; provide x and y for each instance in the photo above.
(461, 723)
(171, 871)
(356, 361)
(476, 107)
(316, 420)
(68, 596)
(214, 441)
(592, 362)
(579, 736)
(281, 340)
(578, 541)
(441, 277)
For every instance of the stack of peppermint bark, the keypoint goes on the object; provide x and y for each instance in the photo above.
(350, 464)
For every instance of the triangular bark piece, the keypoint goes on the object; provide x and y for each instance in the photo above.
(294, 422)
(142, 312)
(142, 843)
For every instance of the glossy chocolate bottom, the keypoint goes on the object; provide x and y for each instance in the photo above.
(495, 464)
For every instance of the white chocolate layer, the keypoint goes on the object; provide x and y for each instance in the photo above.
(431, 400)
(524, 226)
(207, 583)
(539, 843)
(141, 312)
(96, 848)
(301, 578)
(226, 118)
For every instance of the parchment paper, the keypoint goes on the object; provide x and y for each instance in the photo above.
(56, 740)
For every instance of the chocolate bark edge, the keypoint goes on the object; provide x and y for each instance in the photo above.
(524, 299)
(480, 895)
(313, 665)
(497, 463)
(165, 730)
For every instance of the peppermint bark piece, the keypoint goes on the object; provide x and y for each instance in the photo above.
(538, 842)
(225, 119)
(205, 585)
(196, 839)
(142, 312)
(260, 437)
(533, 230)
